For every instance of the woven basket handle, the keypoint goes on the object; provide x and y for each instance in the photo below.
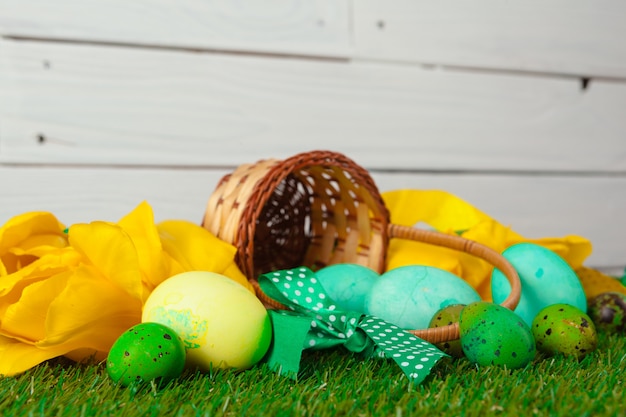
(451, 332)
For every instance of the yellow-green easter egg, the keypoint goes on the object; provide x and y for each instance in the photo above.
(445, 317)
(565, 329)
(222, 324)
(146, 352)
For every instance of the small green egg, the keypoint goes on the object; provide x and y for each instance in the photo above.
(494, 335)
(608, 312)
(444, 317)
(564, 329)
(146, 352)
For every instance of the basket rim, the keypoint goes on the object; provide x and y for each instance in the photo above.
(278, 171)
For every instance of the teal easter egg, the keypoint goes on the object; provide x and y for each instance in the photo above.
(146, 352)
(409, 296)
(347, 284)
(545, 277)
(564, 329)
(494, 335)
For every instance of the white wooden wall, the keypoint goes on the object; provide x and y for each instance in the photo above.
(519, 107)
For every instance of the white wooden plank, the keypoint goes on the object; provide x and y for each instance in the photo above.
(534, 206)
(578, 37)
(319, 27)
(97, 105)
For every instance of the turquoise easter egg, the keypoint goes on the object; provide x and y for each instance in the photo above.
(545, 277)
(409, 296)
(347, 284)
(494, 335)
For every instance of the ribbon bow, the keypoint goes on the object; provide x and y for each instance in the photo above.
(313, 322)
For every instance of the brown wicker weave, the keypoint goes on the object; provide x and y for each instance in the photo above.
(316, 209)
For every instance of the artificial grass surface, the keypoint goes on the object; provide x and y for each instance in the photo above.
(336, 383)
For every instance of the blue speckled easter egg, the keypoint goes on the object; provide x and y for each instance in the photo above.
(146, 352)
(347, 284)
(409, 296)
(494, 335)
(545, 277)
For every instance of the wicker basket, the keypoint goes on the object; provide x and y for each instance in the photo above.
(316, 209)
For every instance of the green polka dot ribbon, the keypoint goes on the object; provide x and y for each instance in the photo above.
(313, 322)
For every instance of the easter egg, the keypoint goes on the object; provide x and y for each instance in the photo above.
(444, 317)
(608, 312)
(409, 296)
(563, 328)
(494, 335)
(146, 352)
(347, 284)
(222, 324)
(545, 277)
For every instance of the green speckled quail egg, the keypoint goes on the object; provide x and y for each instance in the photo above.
(564, 329)
(444, 317)
(608, 312)
(494, 335)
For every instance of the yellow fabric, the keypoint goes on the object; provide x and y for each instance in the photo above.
(73, 294)
(449, 214)
(595, 282)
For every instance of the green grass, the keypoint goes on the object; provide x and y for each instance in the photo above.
(335, 383)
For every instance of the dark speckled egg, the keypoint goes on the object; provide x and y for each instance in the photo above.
(494, 335)
(608, 312)
(564, 329)
(146, 352)
(444, 317)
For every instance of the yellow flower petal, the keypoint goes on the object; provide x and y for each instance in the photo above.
(139, 225)
(112, 252)
(90, 312)
(25, 319)
(27, 236)
(17, 357)
(76, 313)
(12, 286)
(193, 248)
